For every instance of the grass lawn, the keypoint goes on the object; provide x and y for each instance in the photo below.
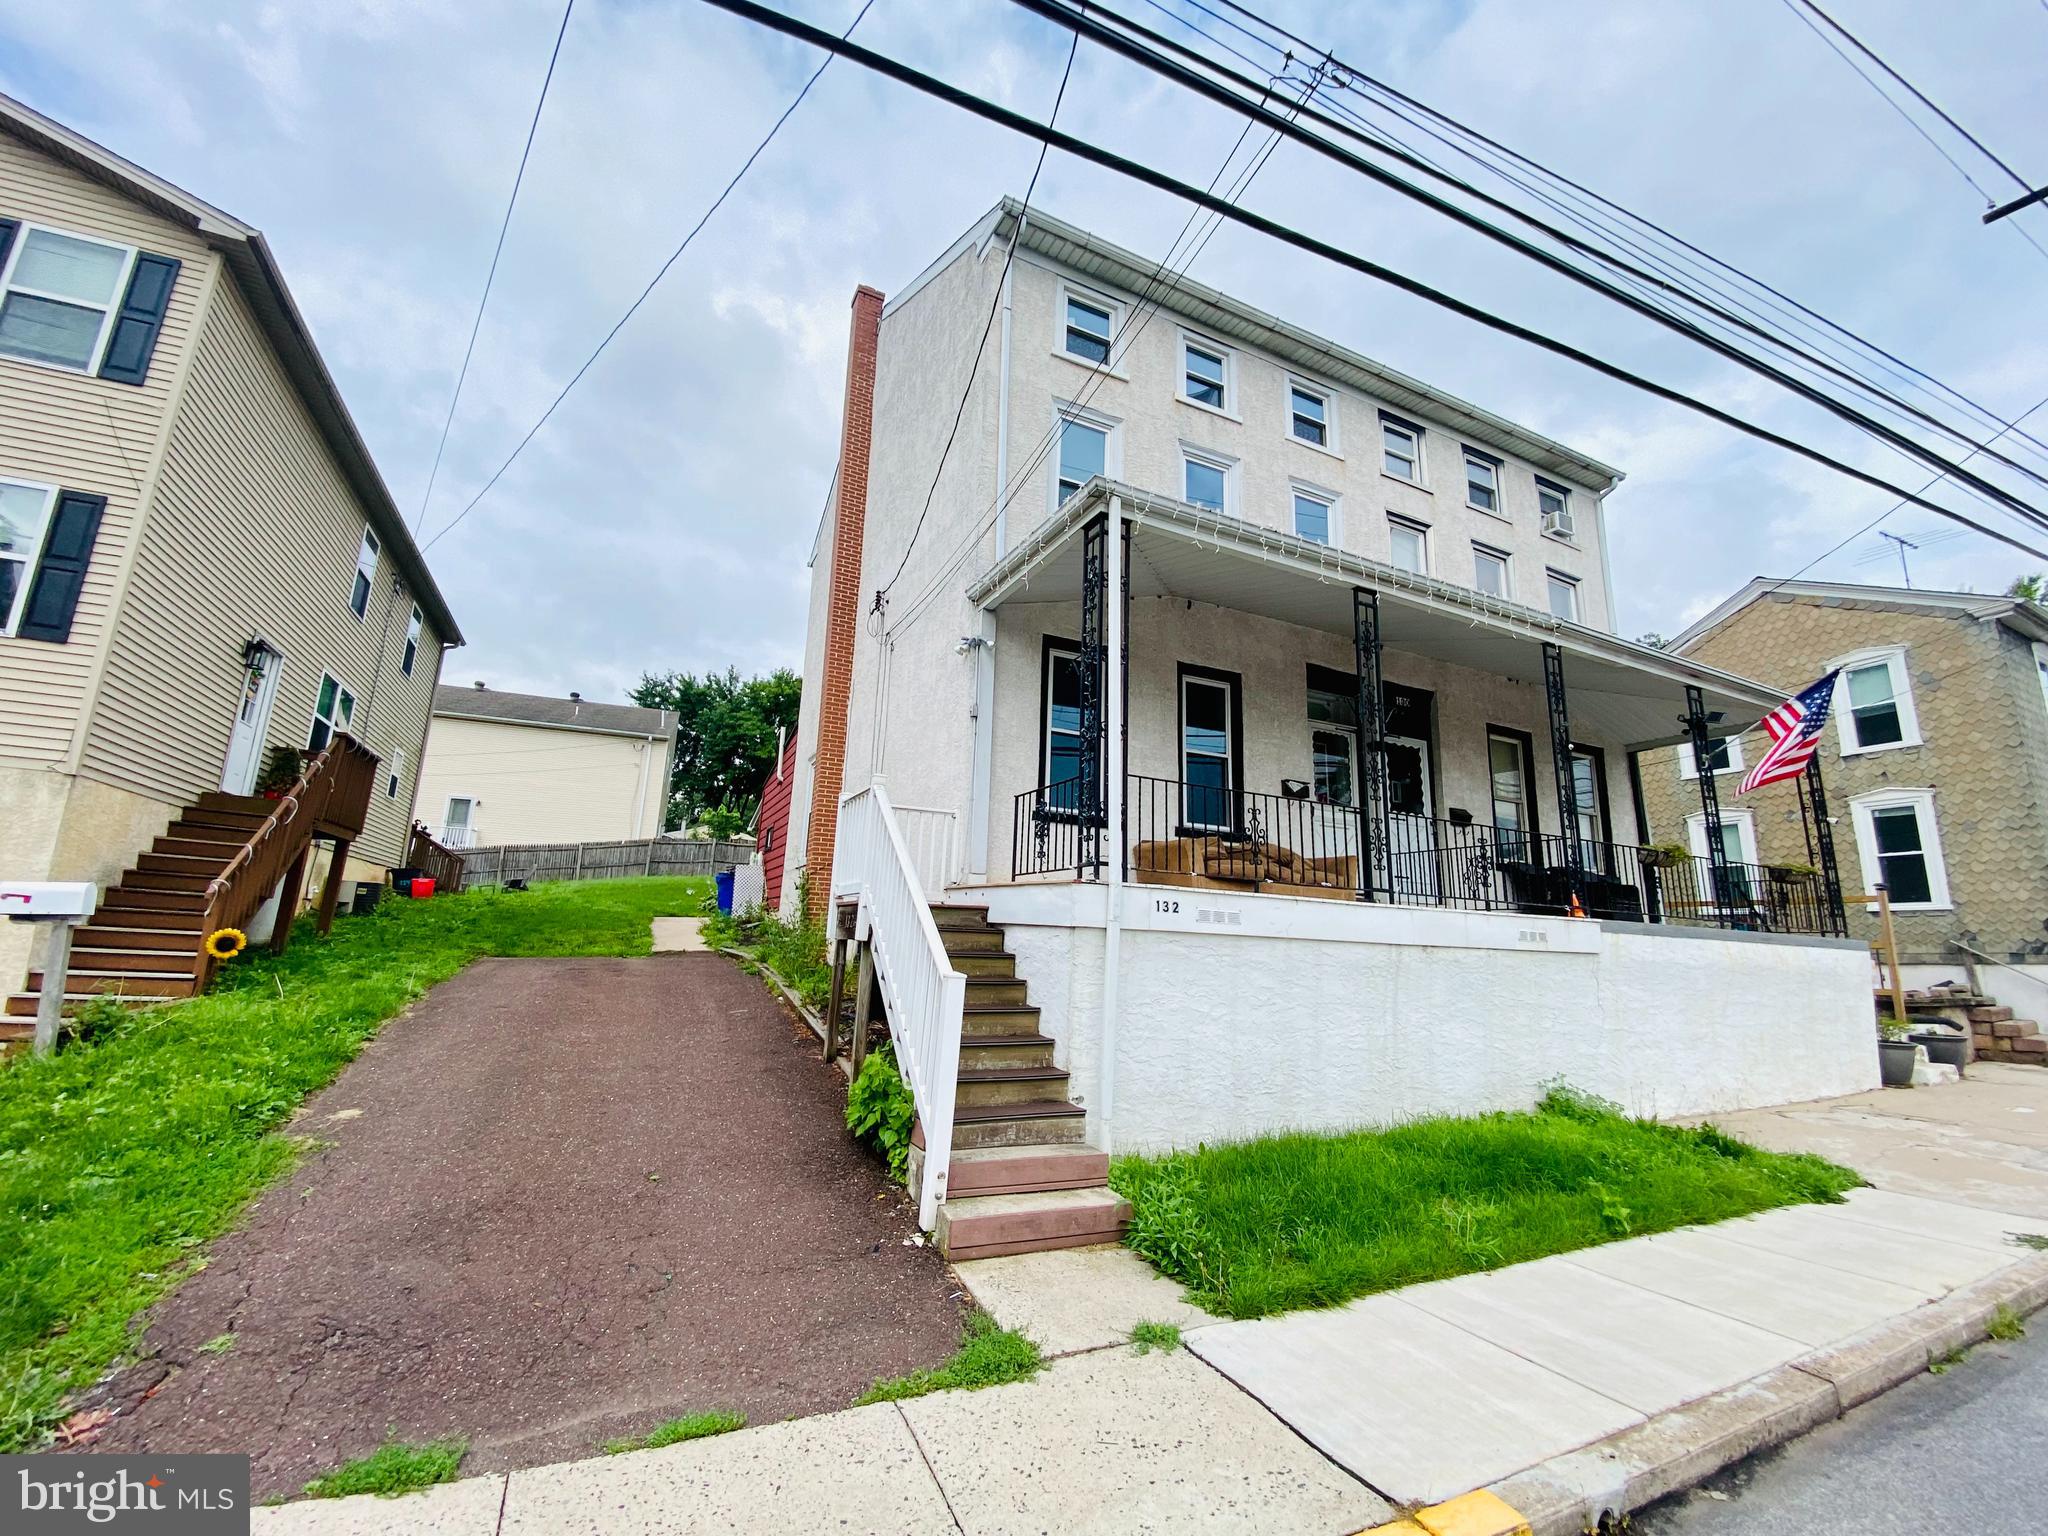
(121, 1159)
(1267, 1226)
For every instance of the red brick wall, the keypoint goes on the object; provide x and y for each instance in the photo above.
(842, 609)
(773, 825)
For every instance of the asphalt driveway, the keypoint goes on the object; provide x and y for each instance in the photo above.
(559, 1201)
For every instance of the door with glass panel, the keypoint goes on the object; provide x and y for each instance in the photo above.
(1411, 844)
(260, 673)
(1208, 709)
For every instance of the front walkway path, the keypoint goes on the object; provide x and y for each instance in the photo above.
(556, 1202)
(1555, 1381)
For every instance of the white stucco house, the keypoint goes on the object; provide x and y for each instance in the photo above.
(1229, 733)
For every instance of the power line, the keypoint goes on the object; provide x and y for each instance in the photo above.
(1136, 171)
(653, 282)
(491, 276)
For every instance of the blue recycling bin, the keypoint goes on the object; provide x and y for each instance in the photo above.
(724, 883)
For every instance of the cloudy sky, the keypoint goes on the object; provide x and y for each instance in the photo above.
(662, 519)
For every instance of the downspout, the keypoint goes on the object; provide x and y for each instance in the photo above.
(1113, 815)
(640, 795)
(1003, 403)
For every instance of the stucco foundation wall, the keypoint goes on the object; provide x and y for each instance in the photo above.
(55, 827)
(1336, 1017)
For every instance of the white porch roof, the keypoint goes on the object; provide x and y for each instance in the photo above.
(1617, 691)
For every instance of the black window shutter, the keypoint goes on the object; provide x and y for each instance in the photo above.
(141, 317)
(60, 574)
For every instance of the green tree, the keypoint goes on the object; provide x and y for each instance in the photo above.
(725, 739)
(2033, 589)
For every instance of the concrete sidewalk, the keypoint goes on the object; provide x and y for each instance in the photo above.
(1589, 1381)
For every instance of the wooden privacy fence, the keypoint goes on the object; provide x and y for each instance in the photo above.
(599, 861)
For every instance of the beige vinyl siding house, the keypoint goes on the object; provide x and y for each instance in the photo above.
(514, 768)
(234, 496)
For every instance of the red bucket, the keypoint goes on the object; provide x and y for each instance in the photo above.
(422, 888)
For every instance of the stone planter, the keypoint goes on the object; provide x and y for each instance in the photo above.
(1942, 1047)
(1895, 1058)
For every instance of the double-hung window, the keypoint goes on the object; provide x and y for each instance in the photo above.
(1490, 571)
(1514, 824)
(413, 627)
(1089, 329)
(1899, 843)
(1563, 592)
(1205, 375)
(1875, 703)
(333, 710)
(1408, 545)
(1482, 481)
(1724, 755)
(1084, 453)
(24, 519)
(1064, 744)
(1554, 503)
(1208, 710)
(1315, 516)
(1205, 480)
(1308, 415)
(366, 574)
(60, 297)
(1400, 448)
(394, 774)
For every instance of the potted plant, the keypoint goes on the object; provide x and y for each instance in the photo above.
(1949, 1047)
(281, 771)
(1785, 873)
(1895, 1053)
(1666, 855)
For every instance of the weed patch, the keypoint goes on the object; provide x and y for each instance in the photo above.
(695, 1427)
(880, 1109)
(2006, 1325)
(988, 1356)
(1147, 1337)
(392, 1469)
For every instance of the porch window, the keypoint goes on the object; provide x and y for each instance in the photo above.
(1899, 842)
(1490, 571)
(1208, 705)
(1880, 704)
(366, 574)
(1400, 448)
(1309, 412)
(1088, 331)
(1724, 755)
(1064, 744)
(1738, 846)
(1203, 377)
(1507, 761)
(59, 296)
(1592, 821)
(1482, 481)
(1205, 480)
(413, 627)
(24, 517)
(1408, 545)
(1084, 453)
(1331, 751)
(333, 711)
(1564, 595)
(1313, 516)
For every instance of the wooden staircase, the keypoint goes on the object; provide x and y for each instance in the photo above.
(1023, 1177)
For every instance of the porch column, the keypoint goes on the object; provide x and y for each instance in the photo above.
(1372, 747)
(1710, 803)
(1824, 840)
(1561, 762)
(1115, 869)
(1094, 680)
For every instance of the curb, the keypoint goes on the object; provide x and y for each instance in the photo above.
(1576, 1492)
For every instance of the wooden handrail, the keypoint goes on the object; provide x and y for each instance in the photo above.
(331, 797)
(442, 863)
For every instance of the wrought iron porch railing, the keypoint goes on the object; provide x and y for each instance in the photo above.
(1181, 832)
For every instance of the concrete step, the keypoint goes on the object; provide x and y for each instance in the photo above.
(979, 1023)
(954, 915)
(2007, 1029)
(82, 979)
(995, 992)
(981, 1052)
(994, 965)
(1990, 1015)
(1020, 1170)
(129, 933)
(1048, 1122)
(985, 1226)
(971, 941)
(1009, 1085)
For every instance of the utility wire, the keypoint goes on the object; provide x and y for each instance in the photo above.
(652, 283)
(1136, 171)
(491, 276)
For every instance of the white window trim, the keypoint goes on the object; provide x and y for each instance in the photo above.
(2041, 670)
(1922, 803)
(1894, 656)
(1499, 509)
(1064, 411)
(1329, 499)
(1569, 540)
(333, 726)
(1507, 561)
(1332, 443)
(1234, 703)
(34, 557)
(1095, 298)
(475, 805)
(1225, 462)
(1187, 338)
(1396, 520)
(1421, 434)
(99, 349)
(415, 640)
(369, 576)
(1688, 769)
(1564, 578)
(1744, 823)
(394, 773)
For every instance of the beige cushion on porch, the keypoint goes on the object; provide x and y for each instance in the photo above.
(1340, 870)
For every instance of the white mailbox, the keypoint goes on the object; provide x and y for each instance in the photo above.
(48, 901)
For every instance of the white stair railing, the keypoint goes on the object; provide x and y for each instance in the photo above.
(924, 995)
(932, 838)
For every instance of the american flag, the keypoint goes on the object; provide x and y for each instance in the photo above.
(1795, 728)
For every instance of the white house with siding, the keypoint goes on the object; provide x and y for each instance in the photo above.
(199, 563)
(1229, 733)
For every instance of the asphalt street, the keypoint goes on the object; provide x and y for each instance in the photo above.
(1958, 1451)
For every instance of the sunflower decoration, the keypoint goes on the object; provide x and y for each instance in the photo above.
(226, 943)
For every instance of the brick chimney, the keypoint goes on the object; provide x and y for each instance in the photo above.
(843, 601)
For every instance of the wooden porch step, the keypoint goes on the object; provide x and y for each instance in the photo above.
(1022, 1170)
(151, 961)
(151, 909)
(949, 914)
(971, 941)
(161, 982)
(1009, 1085)
(979, 1023)
(22, 1005)
(993, 964)
(982, 1052)
(204, 865)
(198, 822)
(98, 935)
(995, 992)
(248, 805)
(139, 880)
(1043, 1122)
(215, 850)
(986, 1226)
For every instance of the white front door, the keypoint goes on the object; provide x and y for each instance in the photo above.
(252, 722)
(1411, 833)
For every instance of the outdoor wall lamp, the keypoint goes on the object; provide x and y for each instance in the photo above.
(972, 643)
